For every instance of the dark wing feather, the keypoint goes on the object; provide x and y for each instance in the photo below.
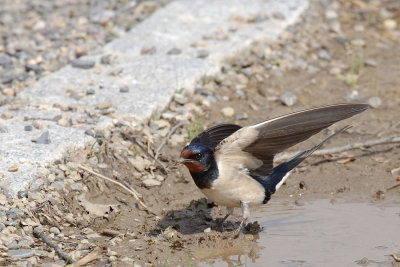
(214, 135)
(280, 133)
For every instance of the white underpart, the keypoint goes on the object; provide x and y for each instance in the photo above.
(282, 181)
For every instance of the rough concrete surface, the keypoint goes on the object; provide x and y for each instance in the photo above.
(134, 77)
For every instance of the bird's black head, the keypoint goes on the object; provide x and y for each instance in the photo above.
(198, 158)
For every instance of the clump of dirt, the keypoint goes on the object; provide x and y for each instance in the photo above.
(318, 66)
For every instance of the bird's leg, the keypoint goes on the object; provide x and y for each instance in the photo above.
(229, 211)
(246, 215)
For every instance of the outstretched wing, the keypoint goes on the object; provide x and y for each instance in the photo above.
(264, 140)
(214, 135)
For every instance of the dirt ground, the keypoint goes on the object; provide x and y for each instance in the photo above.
(367, 62)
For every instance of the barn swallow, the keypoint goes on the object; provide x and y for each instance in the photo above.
(233, 165)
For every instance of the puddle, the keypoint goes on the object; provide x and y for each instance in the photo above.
(323, 234)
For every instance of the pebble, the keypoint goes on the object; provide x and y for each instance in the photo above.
(150, 182)
(374, 101)
(138, 163)
(174, 51)
(44, 138)
(228, 111)
(90, 132)
(395, 172)
(28, 128)
(76, 187)
(207, 230)
(202, 53)
(353, 96)
(13, 168)
(148, 50)
(390, 24)
(370, 63)
(278, 16)
(20, 253)
(83, 63)
(13, 245)
(124, 89)
(106, 60)
(324, 54)
(288, 99)
(104, 105)
(55, 230)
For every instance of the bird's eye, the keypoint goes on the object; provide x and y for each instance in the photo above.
(196, 156)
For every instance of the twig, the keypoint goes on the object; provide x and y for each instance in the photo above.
(39, 233)
(393, 187)
(133, 139)
(358, 145)
(133, 193)
(171, 132)
(395, 257)
(94, 255)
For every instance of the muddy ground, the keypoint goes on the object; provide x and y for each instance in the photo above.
(360, 62)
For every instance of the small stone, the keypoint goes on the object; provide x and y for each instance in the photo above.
(22, 194)
(202, 53)
(207, 230)
(138, 163)
(324, 54)
(242, 117)
(174, 51)
(358, 42)
(57, 185)
(104, 105)
(395, 172)
(20, 253)
(228, 111)
(148, 50)
(83, 63)
(106, 60)
(278, 16)
(28, 128)
(375, 101)
(13, 168)
(64, 122)
(76, 187)
(390, 24)
(288, 99)
(55, 230)
(180, 99)
(370, 63)
(102, 165)
(150, 182)
(124, 89)
(13, 245)
(177, 139)
(90, 91)
(90, 132)
(8, 91)
(44, 138)
(353, 96)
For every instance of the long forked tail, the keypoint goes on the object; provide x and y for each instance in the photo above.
(282, 171)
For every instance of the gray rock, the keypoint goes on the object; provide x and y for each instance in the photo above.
(5, 60)
(10, 223)
(83, 63)
(22, 194)
(324, 54)
(90, 133)
(106, 59)
(288, 99)
(14, 213)
(174, 51)
(90, 91)
(44, 138)
(76, 187)
(124, 88)
(13, 245)
(2, 226)
(55, 230)
(57, 185)
(26, 242)
(150, 182)
(202, 53)
(20, 253)
(375, 101)
(28, 128)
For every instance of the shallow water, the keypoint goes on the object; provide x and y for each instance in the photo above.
(320, 233)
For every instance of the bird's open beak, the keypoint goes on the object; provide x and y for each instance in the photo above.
(183, 160)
